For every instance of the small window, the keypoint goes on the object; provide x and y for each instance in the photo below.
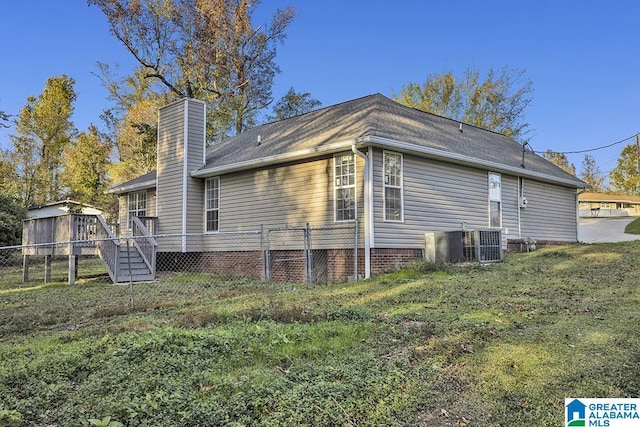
(136, 206)
(393, 194)
(212, 204)
(344, 187)
(495, 200)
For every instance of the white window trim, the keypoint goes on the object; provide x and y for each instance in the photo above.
(146, 206)
(354, 186)
(385, 185)
(493, 198)
(205, 205)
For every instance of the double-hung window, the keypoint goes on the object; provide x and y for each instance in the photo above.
(136, 206)
(344, 187)
(212, 204)
(393, 202)
(495, 200)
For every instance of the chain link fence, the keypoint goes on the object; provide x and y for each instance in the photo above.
(154, 269)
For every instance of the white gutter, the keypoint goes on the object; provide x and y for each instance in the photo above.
(467, 160)
(384, 143)
(277, 158)
(367, 210)
(133, 187)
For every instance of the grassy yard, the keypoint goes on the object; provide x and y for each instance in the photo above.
(633, 227)
(497, 345)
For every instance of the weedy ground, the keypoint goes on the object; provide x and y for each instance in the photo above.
(434, 345)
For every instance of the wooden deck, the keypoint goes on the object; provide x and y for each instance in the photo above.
(73, 235)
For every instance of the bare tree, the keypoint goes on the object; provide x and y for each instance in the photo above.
(205, 49)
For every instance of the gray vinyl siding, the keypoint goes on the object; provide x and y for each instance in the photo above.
(171, 169)
(287, 196)
(437, 197)
(195, 191)
(550, 212)
(510, 207)
(123, 208)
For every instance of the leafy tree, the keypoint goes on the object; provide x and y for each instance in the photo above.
(625, 177)
(591, 174)
(9, 182)
(44, 130)
(11, 216)
(203, 49)
(293, 104)
(560, 160)
(131, 123)
(85, 168)
(496, 103)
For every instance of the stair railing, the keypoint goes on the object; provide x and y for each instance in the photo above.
(108, 247)
(146, 244)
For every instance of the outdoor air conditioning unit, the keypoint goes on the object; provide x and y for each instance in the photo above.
(523, 202)
(482, 245)
(443, 246)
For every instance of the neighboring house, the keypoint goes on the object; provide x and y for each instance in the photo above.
(400, 171)
(605, 205)
(60, 208)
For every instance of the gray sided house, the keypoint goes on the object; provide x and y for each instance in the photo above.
(401, 172)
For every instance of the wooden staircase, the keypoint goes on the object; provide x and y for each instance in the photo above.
(131, 266)
(131, 259)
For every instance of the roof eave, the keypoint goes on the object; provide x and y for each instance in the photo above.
(307, 153)
(380, 142)
(471, 161)
(133, 187)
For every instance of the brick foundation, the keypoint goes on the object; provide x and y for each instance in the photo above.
(329, 265)
(387, 260)
(228, 263)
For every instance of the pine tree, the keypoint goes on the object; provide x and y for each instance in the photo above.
(561, 160)
(592, 175)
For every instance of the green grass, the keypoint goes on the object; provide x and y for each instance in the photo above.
(442, 345)
(633, 227)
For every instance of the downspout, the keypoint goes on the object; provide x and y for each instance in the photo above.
(367, 210)
(185, 173)
(520, 195)
(578, 213)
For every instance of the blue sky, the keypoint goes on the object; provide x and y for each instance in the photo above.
(583, 57)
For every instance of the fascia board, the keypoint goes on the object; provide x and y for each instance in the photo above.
(133, 187)
(277, 159)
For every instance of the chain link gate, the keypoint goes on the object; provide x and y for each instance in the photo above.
(312, 255)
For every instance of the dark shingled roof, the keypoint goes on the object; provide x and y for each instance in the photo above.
(377, 120)
(372, 120)
(148, 180)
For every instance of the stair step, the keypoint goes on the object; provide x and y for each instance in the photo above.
(132, 267)
(136, 278)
